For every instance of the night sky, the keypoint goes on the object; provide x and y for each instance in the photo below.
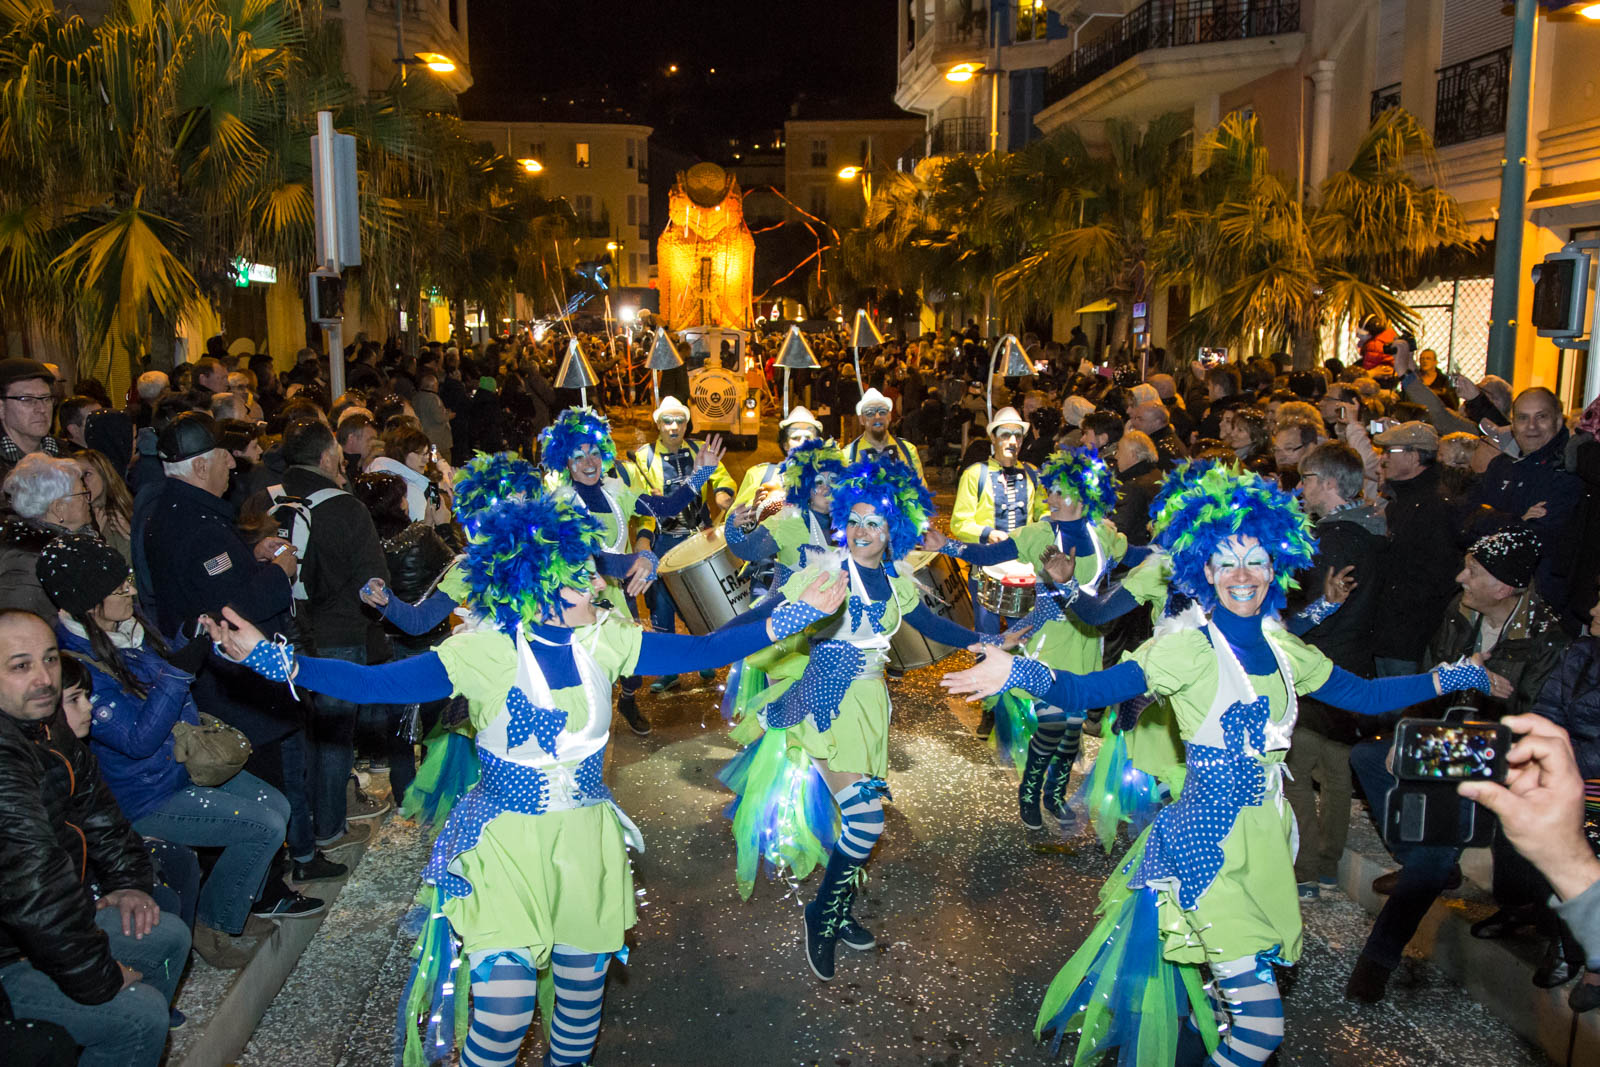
(764, 54)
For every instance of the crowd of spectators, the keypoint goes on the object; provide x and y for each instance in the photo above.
(1459, 513)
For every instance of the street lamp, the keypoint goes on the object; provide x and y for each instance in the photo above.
(532, 166)
(437, 62)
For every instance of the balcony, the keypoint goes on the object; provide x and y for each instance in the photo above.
(1471, 99)
(961, 136)
(1384, 99)
(1167, 54)
(954, 37)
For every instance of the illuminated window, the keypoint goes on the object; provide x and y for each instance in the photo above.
(1032, 21)
(580, 153)
(819, 153)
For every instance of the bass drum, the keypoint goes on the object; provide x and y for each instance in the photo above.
(702, 577)
(944, 591)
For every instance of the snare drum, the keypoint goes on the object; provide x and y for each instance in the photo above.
(702, 577)
(1007, 589)
(941, 588)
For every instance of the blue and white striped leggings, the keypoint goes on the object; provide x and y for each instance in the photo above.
(504, 999)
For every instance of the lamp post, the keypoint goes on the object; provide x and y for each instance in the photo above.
(961, 74)
(863, 334)
(1017, 365)
(663, 356)
(794, 355)
(434, 61)
(1513, 193)
(575, 372)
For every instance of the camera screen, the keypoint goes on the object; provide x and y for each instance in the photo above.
(1450, 751)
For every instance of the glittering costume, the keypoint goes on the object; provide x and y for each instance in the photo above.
(530, 874)
(830, 708)
(1210, 883)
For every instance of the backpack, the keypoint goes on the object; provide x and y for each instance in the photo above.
(293, 516)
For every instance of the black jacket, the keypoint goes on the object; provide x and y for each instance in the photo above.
(1140, 484)
(1349, 538)
(1571, 699)
(60, 823)
(1526, 655)
(342, 556)
(1511, 486)
(1419, 567)
(486, 422)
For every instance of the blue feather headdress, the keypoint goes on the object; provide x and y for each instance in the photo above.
(525, 552)
(575, 427)
(1181, 478)
(488, 480)
(894, 491)
(805, 464)
(1080, 474)
(1223, 503)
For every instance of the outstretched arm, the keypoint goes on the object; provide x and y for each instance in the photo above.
(981, 555)
(422, 617)
(999, 671)
(661, 653)
(1379, 696)
(756, 545)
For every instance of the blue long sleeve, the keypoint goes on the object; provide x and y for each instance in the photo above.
(939, 628)
(1309, 617)
(1078, 692)
(664, 507)
(421, 617)
(661, 653)
(988, 555)
(408, 681)
(1109, 606)
(1135, 555)
(1374, 696)
(751, 547)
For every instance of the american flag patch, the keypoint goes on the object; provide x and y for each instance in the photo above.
(217, 564)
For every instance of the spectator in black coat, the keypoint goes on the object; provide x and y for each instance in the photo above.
(1139, 471)
(1349, 542)
(486, 418)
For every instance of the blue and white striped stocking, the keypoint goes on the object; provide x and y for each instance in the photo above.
(860, 820)
(1255, 1012)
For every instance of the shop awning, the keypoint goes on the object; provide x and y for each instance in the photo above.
(1098, 306)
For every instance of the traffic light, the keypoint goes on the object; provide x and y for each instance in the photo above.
(327, 296)
(1560, 293)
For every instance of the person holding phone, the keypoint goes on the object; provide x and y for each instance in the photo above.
(1211, 880)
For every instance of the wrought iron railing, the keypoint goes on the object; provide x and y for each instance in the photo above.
(1471, 99)
(1384, 99)
(1169, 24)
(961, 136)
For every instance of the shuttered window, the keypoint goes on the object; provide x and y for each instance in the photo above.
(1391, 43)
(1471, 28)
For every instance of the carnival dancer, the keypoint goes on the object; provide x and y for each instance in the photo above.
(531, 871)
(835, 709)
(994, 498)
(663, 467)
(796, 428)
(1081, 491)
(1210, 883)
(875, 410)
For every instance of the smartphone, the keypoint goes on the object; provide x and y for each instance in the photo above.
(1212, 357)
(1375, 427)
(1432, 757)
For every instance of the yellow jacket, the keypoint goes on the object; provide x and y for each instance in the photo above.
(652, 478)
(904, 450)
(973, 515)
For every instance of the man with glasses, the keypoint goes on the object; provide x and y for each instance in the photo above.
(50, 498)
(994, 498)
(27, 408)
(663, 467)
(1417, 572)
(875, 410)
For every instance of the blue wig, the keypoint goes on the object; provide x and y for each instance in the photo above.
(563, 439)
(1181, 478)
(1080, 474)
(487, 480)
(894, 491)
(524, 552)
(805, 465)
(1222, 504)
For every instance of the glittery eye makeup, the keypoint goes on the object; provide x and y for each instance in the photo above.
(1227, 559)
(873, 523)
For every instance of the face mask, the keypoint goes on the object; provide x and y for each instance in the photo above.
(871, 523)
(1256, 559)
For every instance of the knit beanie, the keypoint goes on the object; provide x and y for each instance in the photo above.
(79, 571)
(1510, 553)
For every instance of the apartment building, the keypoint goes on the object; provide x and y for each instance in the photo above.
(831, 153)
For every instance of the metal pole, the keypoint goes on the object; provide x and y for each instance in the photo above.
(335, 358)
(785, 392)
(1513, 193)
(329, 252)
(1591, 369)
(400, 38)
(988, 386)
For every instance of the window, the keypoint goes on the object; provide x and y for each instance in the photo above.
(819, 202)
(633, 268)
(536, 150)
(819, 153)
(455, 14)
(583, 207)
(1032, 20)
(631, 144)
(580, 153)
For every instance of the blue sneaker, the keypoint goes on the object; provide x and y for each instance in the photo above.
(1310, 891)
(664, 683)
(176, 1019)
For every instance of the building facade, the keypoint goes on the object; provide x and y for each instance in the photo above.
(602, 169)
(816, 150)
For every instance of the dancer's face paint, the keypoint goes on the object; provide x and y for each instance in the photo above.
(587, 465)
(1241, 572)
(822, 494)
(1064, 508)
(866, 535)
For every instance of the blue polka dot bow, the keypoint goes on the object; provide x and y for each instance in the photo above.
(544, 724)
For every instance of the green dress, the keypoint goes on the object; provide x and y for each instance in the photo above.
(1068, 644)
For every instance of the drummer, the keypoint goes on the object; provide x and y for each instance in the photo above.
(1078, 544)
(798, 427)
(664, 467)
(993, 499)
(875, 410)
(803, 526)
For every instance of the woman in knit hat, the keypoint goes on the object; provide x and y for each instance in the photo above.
(140, 692)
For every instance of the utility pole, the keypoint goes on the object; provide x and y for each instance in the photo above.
(1513, 194)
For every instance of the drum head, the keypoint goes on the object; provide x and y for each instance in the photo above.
(1011, 572)
(697, 547)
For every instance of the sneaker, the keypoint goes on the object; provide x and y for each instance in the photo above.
(1328, 885)
(290, 905)
(359, 804)
(629, 707)
(664, 683)
(176, 1019)
(855, 936)
(354, 834)
(319, 868)
(220, 950)
(1310, 891)
(706, 676)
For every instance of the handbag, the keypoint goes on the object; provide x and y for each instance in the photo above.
(212, 752)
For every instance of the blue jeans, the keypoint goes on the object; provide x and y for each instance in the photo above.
(294, 756)
(130, 1029)
(246, 818)
(1424, 869)
(332, 753)
(178, 873)
(663, 612)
